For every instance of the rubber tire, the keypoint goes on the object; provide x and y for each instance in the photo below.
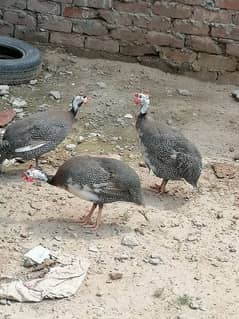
(19, 70)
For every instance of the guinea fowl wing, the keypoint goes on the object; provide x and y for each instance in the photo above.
(87, 178)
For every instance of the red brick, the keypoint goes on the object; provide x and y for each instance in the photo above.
(233, 49)
(98, 4)
(164, 39)
(133, 7)
(117, 18)
(172, 10)
(43, 6)
(204, 44)
(178, 56)
(229, 78)
(136, 50)
(190, 2)
(228, 4)
(90, 27)
(128, 34)
(108, 45)
(235, 19)
(216, 62)
(218, 16)
(156, 23)
(225, 31)
(6, 28)
(66, 39)
(76, 12)
(191, 27)
(18, 4)
(63, 1)
(26, 34)
(20, 17)
(54, 23)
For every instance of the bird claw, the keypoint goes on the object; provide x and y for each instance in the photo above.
(93, 226)
(158, 189)
(85, 221)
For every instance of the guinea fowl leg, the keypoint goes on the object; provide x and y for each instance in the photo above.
(86, 220)
(98, 219)
(37, 162)
(160, 188)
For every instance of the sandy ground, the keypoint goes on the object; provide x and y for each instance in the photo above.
(195, 234)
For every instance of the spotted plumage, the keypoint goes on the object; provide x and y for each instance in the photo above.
(166, 151)
(99, 180)
(39, 133)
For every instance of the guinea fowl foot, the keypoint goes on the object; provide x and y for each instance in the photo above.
(86, 221)
(159, 188)
(96, 225)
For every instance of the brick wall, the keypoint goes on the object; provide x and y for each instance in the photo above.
(198, 37)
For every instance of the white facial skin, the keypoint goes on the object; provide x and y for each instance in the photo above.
(36, 174)
(144, 102)
(77, 100)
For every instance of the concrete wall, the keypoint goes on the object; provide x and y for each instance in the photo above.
(200, 37)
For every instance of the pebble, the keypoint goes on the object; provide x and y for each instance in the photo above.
(194, 305)
(183, 92)
(18, 110)
(33, 82)
(18, 103)
(4, 90)
(129, 240)
(236, 157)
(101, 85)
(115, 275)
(235, 94)
(128, 116)
(3, 301)
(122, 257)
(55, 94)
(80, 139)
(70, 147)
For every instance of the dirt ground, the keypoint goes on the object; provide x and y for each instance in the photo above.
(195, 234)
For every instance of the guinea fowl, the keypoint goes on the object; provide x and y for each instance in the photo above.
(39, 133)
(166, 151)
(99, 180)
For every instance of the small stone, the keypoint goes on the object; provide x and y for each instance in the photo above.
(70, 147)
(128, 116)
(236, 157)
(19, 103)
(183, 92)
(55, 94)
(231, 149)
(3, 301)
(33, 82)
(80, 139)
(99, 294)
(122, 257)
(4, 90)
(36, 205)
(224, 170)
(115, 275)
(101, 85)
(18, 110)
(154, 261)
(129, 240)
(6, 117)
(235, 94)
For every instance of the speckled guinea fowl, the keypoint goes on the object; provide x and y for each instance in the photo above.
(99, 180)
(169, 154)
(39, 133)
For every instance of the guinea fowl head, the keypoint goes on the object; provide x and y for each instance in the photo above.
(77, 101)
(33, 174)
(142, 100)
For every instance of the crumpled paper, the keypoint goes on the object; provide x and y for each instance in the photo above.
(61, 281)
